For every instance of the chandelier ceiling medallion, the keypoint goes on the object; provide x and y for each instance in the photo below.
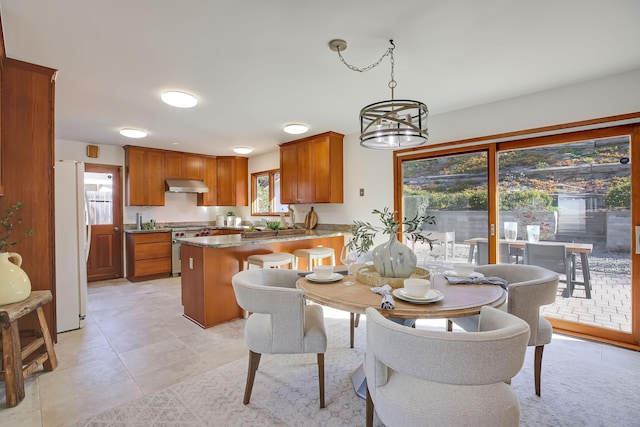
(391, 124)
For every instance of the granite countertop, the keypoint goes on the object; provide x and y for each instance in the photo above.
(168, 229)
(230, 240)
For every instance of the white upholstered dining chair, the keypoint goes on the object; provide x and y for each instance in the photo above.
(418, 377)
(280, 322)
(529, 287)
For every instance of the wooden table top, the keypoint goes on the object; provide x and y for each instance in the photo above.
(458, 301)
(520, 244)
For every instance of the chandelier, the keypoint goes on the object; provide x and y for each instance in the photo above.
(391, 124)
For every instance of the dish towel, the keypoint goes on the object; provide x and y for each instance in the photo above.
(477, 279)
(387, 299)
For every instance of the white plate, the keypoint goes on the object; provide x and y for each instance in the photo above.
(333, 278)
(433, 293)
(437, 297)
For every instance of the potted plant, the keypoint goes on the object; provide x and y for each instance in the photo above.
(393, 258)
(231, 218)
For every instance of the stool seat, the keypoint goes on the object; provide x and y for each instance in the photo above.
(17, 361)
(274, 259)
(316, 253)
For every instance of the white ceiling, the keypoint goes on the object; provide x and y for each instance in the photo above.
(256, 65)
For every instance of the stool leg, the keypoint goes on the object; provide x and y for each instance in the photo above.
(52, 361)
(12, 362)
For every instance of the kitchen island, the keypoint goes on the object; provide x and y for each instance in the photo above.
(208, 263)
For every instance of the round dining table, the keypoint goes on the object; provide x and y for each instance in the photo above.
(458, 301)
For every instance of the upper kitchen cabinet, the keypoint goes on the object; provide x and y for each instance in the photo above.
(232, 174)
(183, 166)
(228, 182)
(211, 181)
(311, 170)
(144, 176)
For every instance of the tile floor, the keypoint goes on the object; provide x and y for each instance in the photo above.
(135, 342)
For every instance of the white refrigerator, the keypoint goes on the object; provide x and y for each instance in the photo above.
(73, 232)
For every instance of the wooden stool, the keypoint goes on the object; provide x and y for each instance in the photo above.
(17, 361)
(275, 259)
(312, 254)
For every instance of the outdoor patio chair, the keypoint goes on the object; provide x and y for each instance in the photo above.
(482, 253)
(554, 258)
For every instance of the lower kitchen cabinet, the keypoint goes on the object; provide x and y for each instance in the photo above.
(148, 255)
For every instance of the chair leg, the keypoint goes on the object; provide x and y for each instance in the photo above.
(537, 367)
(352, 324)
(321, 378)
(369, 410)
(254, 361)
(357, 320)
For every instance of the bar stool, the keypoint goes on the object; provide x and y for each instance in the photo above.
(274, 259)
(311, 254)
(18, 361)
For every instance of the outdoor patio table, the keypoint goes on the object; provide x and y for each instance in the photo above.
(582, 249)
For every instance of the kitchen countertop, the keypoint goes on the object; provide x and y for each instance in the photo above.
(168, 229)
(230, 240)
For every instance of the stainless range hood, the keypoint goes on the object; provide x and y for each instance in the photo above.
(186, 186)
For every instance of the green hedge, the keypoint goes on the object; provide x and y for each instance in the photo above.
(475, 200)
(619, 196)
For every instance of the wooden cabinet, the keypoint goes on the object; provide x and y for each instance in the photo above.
(311, 170)
(211, 181)
(229, 177)
(27, 134)
(148, 255)
(144, 176)
(183, 166)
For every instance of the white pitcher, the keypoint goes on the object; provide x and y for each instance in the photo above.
(15, 285)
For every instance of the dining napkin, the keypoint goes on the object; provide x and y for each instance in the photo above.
(477, 279)
(387, 299)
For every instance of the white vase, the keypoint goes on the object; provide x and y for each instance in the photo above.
(394, 259)
(15, 285)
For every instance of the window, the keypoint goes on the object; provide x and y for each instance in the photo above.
(265, 193)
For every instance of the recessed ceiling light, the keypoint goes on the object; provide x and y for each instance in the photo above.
(179, 99)
(296, 128)
(242, 150)
(133, 133)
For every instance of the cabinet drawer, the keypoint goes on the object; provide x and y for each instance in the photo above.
(147, 267)
(152, 237)
(153, 250)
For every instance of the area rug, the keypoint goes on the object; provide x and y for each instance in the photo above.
(575, 392)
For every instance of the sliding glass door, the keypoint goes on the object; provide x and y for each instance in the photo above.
(564, 202)
(453, 189)
(570, 205)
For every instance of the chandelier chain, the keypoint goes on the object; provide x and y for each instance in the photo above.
(368, 67)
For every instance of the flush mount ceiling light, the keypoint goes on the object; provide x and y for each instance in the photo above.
(296, 128)
(391, 124)
(179, 99)
(242, 150)
(133, 133)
